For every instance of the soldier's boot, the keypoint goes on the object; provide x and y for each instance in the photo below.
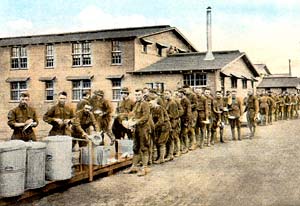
(239, 133)
(208, 140)
(144, 170)
(203, 132)
(170, 153)
(178, 153)
(194, 144)
(162, 152)
(233, 134)
(253, 131)
(221, 136)
(133, 168)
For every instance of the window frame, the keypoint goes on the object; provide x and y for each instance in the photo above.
(234, 82)
(244, 83)
(80, 89)
(18, 58)
(81, 52)
(19, 90)
(116, 89)
(192, 79)
(49, 89)
(49, 56)
(116, 53)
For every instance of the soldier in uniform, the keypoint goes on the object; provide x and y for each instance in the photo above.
(186, 119)
(235, 107)
(264, 108)
(202, 108)
(84, 123)
(218, 117)
(177, 99)
(102, 111)
(208, 123)
(281, 107)
(227, 100)
(85, 100)
(60, 116)
(125, 106)
(162, 128)
(21, 117)
(174, 115)
(141, 139)
(191, 130)
(272, 107)
(252, 108)
(287, 105)
(294, 110)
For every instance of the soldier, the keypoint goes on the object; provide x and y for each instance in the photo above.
(272, 107)
(84, 123)
(161, 128)
(252, 108)
(141, 139)
(102, 111)
(218, 117)
(85, 100)
(60, 116)
(174, 115)
(227, 100)
(125, 106)
(294, 110)
(202, 108)
(208, 121)
(186, 119)
(281, 107)
(22, 119)
(276, 98)
(287, 105)
(191, 130)
(235, 113)
(264, 108)
(178, 131)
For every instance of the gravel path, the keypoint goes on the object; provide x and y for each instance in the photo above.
(262, 171)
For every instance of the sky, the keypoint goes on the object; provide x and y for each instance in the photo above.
(268, 31)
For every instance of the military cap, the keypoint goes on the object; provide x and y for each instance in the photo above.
(99, 92)
(125, 90)
(181, 90)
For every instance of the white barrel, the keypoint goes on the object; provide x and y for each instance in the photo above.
(12, 168)
(58, 157)
(35, 165)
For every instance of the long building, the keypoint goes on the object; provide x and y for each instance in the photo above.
(155, 56)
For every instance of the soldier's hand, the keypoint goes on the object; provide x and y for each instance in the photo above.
(85, 135)
(67, 121)
(34, 124)
(59, 121)
(28, 121)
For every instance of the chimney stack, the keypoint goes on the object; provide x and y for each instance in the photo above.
(290, 68)
(209, 55)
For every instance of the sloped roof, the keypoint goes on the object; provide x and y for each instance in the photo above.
(182, 62)
(279, 82)
(91, 35)
(262, 69)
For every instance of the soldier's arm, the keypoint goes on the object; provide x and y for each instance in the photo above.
(240, 102)
(49, 116)
(35, 119)
(173, 111)
(256, 106)
(12, 119)
(145, 114)
(76, 123)
(95, 123)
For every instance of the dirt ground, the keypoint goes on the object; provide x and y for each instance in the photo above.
(263, 171)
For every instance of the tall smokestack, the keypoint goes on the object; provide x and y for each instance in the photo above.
(290, 68)
(209, 55)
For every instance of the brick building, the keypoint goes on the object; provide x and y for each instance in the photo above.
(279, 83)
(43, 65)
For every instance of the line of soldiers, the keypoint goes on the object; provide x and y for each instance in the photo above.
(92, 114)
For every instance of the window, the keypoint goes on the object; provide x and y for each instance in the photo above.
(19, 58)
(159, 51)
(195, 79)
(81, 53)
(116, 89)
(233, 82)
(49, 56)
(244, 82)
(158, 86)
(49, 90)
(145, 48)
(116, 53)
(78, 87)
(252, 84)
(16, 88)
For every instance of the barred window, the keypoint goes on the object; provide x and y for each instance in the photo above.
(195, 79)
(16, 88)
(49, 90)
(158, 86)
(19, 58)
(81, 53)
(49, 56)
(116, 89)
(244, 82)
(80, 86)
(116, 53)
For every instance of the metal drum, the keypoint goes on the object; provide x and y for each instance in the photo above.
(35, 165)
(58, 157)
(12, 168)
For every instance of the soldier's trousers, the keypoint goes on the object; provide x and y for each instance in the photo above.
(141, 143)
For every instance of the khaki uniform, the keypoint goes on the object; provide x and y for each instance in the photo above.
(236, 111)
(80, 105)
(209, 117)
(252, 108)
(21, 115)
(82, 123)
(186, 120)
(141, 138)
(202, 108)
(218, 119)
(191, 130)
(264, 109)
(294, 110)
(105, 119)
(281, 107)
(287, 106)
(173, 113)
(64, 112)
